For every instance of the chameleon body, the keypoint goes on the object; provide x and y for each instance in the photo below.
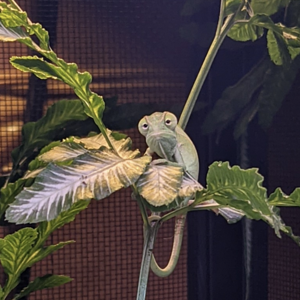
(165, 138)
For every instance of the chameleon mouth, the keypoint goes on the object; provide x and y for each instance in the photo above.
(162, 144)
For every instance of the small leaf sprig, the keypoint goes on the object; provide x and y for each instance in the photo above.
(16, 26)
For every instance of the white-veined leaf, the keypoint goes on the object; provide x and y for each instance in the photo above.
(189, 187)
(65, 151)
(74, 147)
(160, 184)
(11, 34)
(91, 175)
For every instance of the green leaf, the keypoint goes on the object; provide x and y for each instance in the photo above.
(97, 104)
(246, 116)
(36, 135)
(275, 85)
(235, 99)
(231, 6)
(267, 7)
(41, 253)
(11, 17)
(243, 190)
(66, 72)
(41, 34)
(8, 193)
(14, 250)
(45, 282)
(278, 198)
(95, 174)
(245, 32)
(277, 48)
(160, 183)
(294, 52)
(38, 67)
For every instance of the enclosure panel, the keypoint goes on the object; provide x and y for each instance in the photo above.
(133, 50)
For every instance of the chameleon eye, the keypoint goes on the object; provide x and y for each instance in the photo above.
(145, 126)
(168, 122)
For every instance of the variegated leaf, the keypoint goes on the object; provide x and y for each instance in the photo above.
(65, 151)
(71, 149)
(189, 187)
(91, 175)
(160, 184)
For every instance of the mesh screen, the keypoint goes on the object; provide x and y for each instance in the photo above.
(133, 50)
(284, 164)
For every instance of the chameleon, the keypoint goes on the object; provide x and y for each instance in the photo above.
(165, 138)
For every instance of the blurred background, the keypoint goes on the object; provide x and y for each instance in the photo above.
(147, 54)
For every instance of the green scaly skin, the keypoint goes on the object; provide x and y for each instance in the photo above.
(165, 138)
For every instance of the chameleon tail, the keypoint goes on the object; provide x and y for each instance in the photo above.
(178, 234)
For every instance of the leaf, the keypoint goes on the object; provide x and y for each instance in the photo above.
(41, 34)
(64, 151)
(94, 174)
(73, 147)
(246, 116)
(189, 187)
(11, 34)
(235, 99)
(11, 17)
(278, 198)
(38, 66)
(267, 7)
(98, 140)
(40, 283)
(277, 47)
(276, 84)
(36, 135)
(14, 250)
(231, 6)
(8, 193)
(243, 190)
(41, 253)
(160, 183)
(294, 52)
(245, 32)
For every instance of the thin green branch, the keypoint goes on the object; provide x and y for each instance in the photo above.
(149, 240)
(221, 17)
(220, 35)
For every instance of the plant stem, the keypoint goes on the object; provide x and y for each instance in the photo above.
(216, 43)
(150, 234)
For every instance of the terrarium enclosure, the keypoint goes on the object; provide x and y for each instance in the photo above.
(144, 56)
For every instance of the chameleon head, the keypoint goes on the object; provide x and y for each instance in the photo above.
(159, 130)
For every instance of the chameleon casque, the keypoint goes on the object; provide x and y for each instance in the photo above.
(165, 138)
